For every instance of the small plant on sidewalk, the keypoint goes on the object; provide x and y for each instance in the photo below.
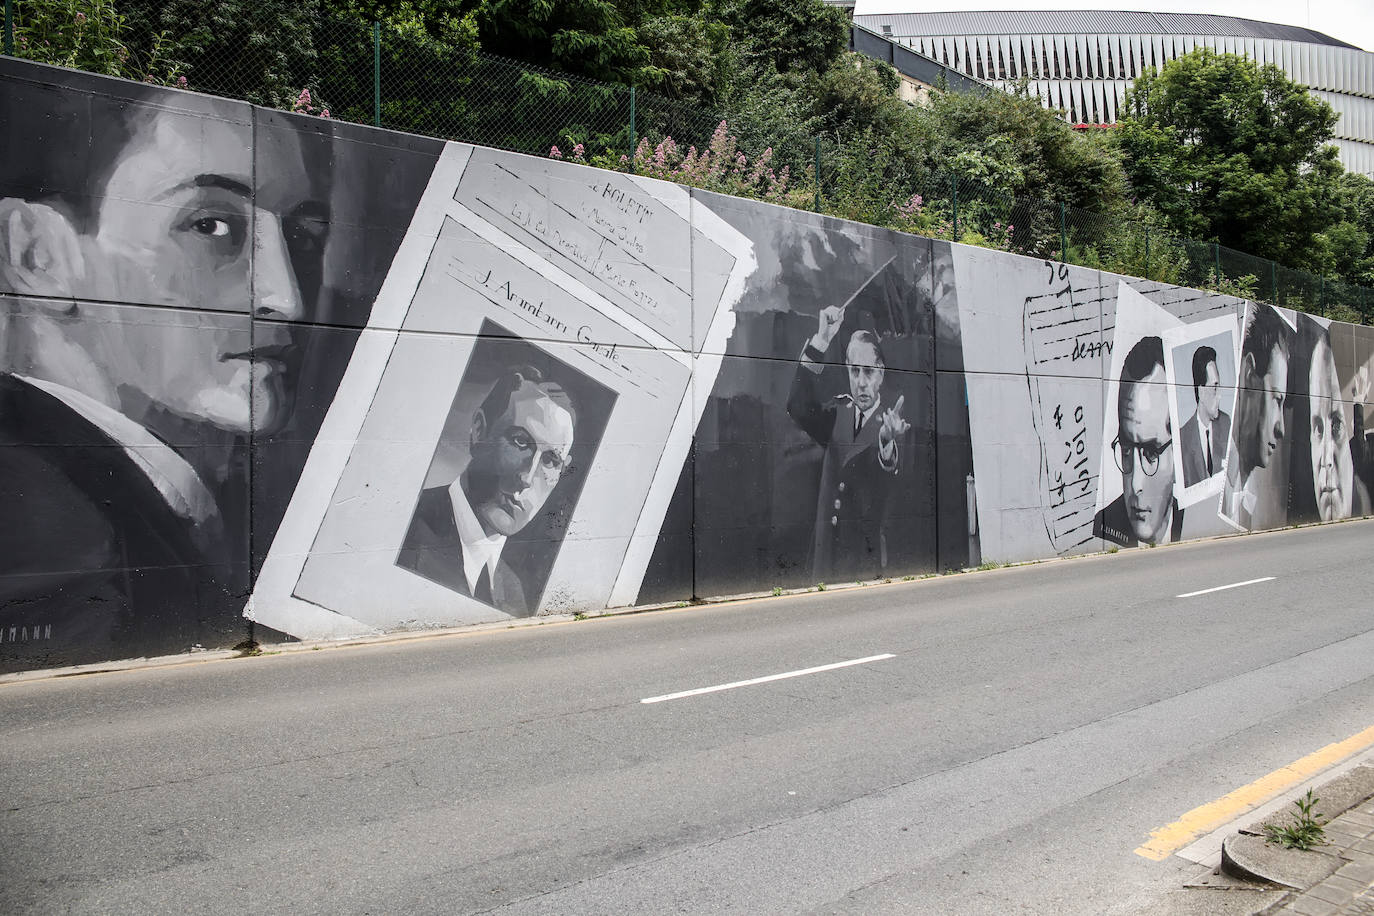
(1304, 832)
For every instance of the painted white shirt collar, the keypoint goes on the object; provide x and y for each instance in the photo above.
(174, 479)
(865, 414)
(479, 548)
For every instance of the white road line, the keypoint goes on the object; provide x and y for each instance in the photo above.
(1222, 588)
(763, 680)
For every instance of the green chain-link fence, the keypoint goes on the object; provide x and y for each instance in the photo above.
(404, 78)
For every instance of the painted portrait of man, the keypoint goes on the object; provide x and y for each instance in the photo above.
(1145, 512)
(1259, 427)
(1205, 434)
(520, 446)
(152, 277)
(861, 438)
(1324, 483)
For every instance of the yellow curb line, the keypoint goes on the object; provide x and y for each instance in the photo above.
(1202, 820)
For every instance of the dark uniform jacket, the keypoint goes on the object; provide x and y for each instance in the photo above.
(849, 541)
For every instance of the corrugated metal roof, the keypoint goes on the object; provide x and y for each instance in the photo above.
(1087, 22)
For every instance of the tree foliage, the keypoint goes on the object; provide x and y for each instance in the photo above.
(586, 37)
(1211, 147)
(1233, 152)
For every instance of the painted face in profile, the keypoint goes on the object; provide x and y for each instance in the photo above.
(865, 374)
(1209, 394)
(518, 459)
(1265, 396)
(1329, 430)
(1147, 470)
(186, 223)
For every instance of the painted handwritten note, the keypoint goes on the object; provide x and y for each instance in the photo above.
(1065, 353)
(611, 234)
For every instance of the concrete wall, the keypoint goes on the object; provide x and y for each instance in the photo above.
(261, 368)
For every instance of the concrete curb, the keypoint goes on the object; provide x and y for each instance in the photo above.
(1327, 880)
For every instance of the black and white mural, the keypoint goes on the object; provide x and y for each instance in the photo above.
(265, 370)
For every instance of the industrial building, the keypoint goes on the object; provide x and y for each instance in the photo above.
(1083, 61)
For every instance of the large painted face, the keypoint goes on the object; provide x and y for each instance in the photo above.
(1147, 471)
(1332, 467)
(518, 460)
(1209, 395)
(180, 225)
(1262, 425)
(865, 374)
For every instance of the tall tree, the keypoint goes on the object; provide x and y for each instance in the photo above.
(587, 37)
(1233, 152)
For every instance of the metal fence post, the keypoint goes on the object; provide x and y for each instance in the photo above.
(954, 200)
(376, 74)
(1063, 234)
(818, 175)
(1274, 281)
(1321, 298)
(9, 27)
(1216, 256)
(1147, 254)
(634, 127)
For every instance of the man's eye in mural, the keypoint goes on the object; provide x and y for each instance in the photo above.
(307, 227)
(209, 225)
(1150, 454)
(1336, 428)
(225, 233)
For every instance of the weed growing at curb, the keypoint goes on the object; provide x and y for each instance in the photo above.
(1304, 832)
(820, 586)
(777, 591)
(248, 649)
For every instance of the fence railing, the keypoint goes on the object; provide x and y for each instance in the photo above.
(405, 79)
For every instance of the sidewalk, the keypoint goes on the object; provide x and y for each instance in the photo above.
(1350, 891)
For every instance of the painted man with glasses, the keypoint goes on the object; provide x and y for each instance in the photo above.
(520, 443)
(1145, 512)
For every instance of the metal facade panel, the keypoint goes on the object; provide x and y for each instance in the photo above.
(1059, 52)
(1049, 22)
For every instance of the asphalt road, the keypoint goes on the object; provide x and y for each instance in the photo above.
(1032, 726)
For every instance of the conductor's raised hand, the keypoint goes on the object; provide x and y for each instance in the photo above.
(828, 325)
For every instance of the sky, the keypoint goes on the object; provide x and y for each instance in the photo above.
(1351, 21)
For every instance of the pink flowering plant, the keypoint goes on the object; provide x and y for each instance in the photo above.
(305, 104)
(720, 166)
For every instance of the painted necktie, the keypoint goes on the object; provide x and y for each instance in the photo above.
(483, 590)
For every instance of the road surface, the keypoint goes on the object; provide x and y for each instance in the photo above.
(1004, 743)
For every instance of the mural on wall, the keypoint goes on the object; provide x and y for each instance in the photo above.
(158, 269)
(260, 369)
(1167, 413)
(817, 457)
(522, 401)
